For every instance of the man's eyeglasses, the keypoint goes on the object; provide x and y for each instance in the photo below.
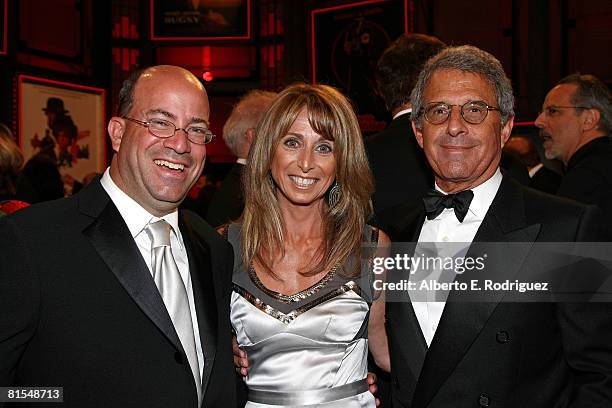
(164, 129)
(473, 112)
(552, 109)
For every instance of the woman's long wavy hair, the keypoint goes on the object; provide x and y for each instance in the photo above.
(11, 161)
(331, 115)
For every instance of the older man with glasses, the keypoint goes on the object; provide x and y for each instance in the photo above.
(114, 294)
(455, 348)
(576, 126)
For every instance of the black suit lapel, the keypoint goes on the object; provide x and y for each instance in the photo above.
(111, 238)
(200, 269)
(404, 222)
(405, 327)
(415, 226)
(416, 355)
(462, 320)
(405, 225)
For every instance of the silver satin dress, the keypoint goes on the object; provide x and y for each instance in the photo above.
(308, 348)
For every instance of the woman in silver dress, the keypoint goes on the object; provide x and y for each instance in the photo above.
(303, 307)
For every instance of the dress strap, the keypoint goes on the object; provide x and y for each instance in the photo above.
(310, 397)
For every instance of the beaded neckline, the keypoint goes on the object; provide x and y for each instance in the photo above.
(287, 318)
(296, 297)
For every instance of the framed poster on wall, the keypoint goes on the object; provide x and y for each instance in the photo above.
(347, 40)
(3, 26)
(65, 122)
(200, 19)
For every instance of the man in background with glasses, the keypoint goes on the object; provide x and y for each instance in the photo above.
(464, 347)
(576, 126)
(114, 294)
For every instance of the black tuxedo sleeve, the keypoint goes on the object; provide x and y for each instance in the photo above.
(583, 185)
(586, 330)
(19, 301)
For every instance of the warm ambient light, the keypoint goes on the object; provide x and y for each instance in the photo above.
(207, 76)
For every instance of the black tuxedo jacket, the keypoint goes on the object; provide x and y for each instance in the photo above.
(228, 202)
(400, 168)
(588, 178)
(546, 180)
(80, 309)
(502, 354)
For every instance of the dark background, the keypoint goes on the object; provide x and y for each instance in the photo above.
(97, 43)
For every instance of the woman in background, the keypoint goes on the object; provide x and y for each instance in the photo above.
(11, 162)
(303, 307)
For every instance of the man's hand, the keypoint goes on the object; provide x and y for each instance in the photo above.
(372, 384)
(241, 362)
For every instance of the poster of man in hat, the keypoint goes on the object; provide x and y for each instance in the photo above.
(64, 123)
(61, 136)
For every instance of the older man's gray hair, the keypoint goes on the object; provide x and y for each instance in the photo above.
(592, 93)
(469, 59)
(245, 115)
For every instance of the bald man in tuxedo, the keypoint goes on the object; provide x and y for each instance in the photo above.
(90, 303)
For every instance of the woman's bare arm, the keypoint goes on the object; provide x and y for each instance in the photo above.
(377, 333)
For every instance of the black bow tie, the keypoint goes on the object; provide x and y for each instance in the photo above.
(436, 202)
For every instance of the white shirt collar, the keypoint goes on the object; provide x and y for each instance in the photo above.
(483, 194)
(240, 160)
(132, 213)
(402, 112)
(535, 169)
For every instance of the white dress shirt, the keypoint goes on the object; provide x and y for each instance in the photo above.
(535, 169)
(402, 112)
(446, 228)
(137, 218)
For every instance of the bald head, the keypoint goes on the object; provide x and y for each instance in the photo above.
(153, 74)
(157, 170)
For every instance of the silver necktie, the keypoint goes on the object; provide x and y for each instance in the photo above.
(172, 289)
